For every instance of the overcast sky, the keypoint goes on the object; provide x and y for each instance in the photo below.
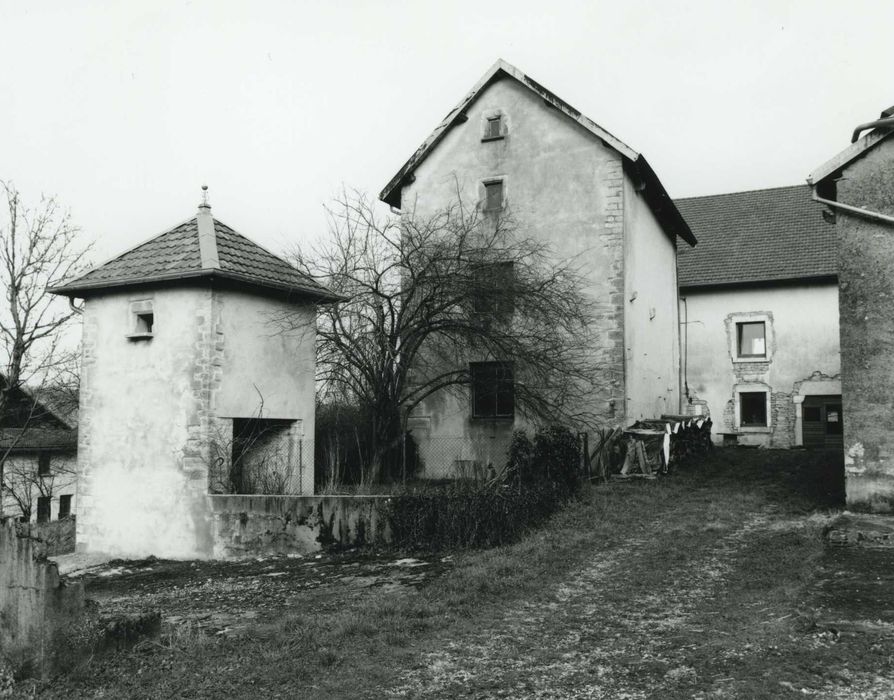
(124, 109)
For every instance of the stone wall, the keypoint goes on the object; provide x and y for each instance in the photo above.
(245, 526)
(866, 290)
(38, 610)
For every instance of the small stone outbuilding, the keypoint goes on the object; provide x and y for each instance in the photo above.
(182, 357)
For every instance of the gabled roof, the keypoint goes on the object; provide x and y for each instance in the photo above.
(635, 163)
(756, 237)
(183, 252)
(835, 165)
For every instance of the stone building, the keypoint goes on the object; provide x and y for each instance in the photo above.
(182, 359)
(759, 304)
(857, 188)
(512, 145)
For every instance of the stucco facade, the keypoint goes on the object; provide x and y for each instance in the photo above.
(179, 368)
(862, 176)
(566, 186)
(802, 357)
(23, 481)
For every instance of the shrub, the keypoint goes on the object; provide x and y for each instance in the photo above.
(468, 516)
(552, 458)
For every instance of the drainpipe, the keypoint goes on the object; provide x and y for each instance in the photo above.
(877, 124)
(686, 349)
(866, 213)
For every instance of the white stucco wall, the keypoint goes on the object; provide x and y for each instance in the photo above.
(651, 320)
(564, 186)
(803, 346)
(150, 407)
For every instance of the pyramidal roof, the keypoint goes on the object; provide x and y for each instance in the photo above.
(202, 247)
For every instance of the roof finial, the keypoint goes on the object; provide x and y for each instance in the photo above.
(204, 203)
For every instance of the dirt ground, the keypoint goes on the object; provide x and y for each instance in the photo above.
(715, 582)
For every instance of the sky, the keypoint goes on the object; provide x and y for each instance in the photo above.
(122, 110)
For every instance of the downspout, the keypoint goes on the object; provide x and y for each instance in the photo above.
(686, 349)
(866, 213)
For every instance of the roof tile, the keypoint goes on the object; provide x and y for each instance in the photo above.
(756, 236)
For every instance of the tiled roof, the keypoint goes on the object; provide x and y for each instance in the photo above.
(176, 254)
(756, 236)
(15, 440)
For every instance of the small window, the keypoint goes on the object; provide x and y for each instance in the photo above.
(493, 286)
(493, 195)
(753, 409)
(752, 339)
(142, 319)
(43, 464)
(43, 509)
(64, 506)
(493, 128)
(493, 389)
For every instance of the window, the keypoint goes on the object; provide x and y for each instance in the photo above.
(142, 319)
(493, 389)
(493, 195)
(43, 509)
(493, 128)
(753, 409)
(43, 464)
(64, 506)
(492, 286)
(751, 339)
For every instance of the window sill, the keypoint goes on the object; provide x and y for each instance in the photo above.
(754, 429)
(757, 359)
(140, 336)
(492, 138)
(492, 419)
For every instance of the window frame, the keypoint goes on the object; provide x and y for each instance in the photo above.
(139, 329)
(733, 323)
(753, 388)
(44, 464)
(475, 370)
(493, 290)
(485, 201)
(44, 510)
(65, 498)
(740, 327)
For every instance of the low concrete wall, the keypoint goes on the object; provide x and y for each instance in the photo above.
(245, 526)
(37, 610)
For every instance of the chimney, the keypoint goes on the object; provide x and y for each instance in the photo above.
(207, 235)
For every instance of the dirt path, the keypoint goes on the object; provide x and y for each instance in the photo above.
(608, 631)
(583, 640)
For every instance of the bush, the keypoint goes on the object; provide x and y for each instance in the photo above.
(552, 458)
(468, 516)
(541, 475)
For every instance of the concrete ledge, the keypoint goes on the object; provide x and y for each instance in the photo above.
(862, 530)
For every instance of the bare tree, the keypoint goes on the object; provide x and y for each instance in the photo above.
(424, 295)
(38, 246)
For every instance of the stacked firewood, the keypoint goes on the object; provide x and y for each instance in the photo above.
(656, 444)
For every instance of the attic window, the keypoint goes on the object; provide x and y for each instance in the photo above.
(142, 320)
(493, 128)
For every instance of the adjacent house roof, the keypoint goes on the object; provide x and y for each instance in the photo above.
(201, 247)
(755, 237)
(30, 424)
(38, 439)
(635, 163)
